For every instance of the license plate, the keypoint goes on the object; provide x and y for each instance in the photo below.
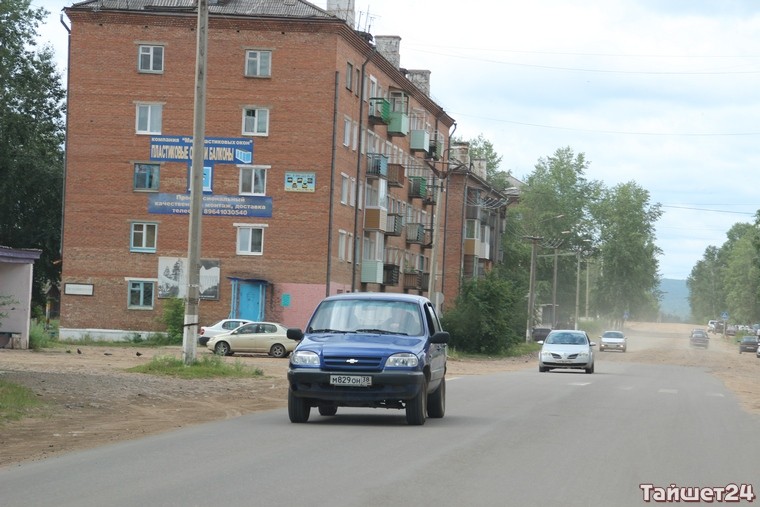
(351, 380)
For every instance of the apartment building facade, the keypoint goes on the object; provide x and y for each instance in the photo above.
(324, 162)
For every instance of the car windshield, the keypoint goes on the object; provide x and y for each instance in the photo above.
(612, 334)
(367, 316)
(566, 339)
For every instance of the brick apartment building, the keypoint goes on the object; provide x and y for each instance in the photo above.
(325, 165)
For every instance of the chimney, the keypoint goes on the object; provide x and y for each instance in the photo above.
(421, 79)
(343, 9)
(389, 46)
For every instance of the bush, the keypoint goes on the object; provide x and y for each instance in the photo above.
(174, 319)
(39, 337)
(483, 320)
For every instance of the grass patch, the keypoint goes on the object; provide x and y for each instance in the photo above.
(16, 401)
(205, 367)
(518, 350)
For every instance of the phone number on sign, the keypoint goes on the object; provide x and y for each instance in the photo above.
(674, 493)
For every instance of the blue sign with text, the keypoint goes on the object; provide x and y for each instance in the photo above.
(213, 205)
(216, 150)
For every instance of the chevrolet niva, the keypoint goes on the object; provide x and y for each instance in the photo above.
(375, 350)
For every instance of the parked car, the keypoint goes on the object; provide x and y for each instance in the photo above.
(258, 337)
(731, 330)
(711, 326)
(614, 340)
(539, 333)
(566, 348)
(748, 343)
(375, 350)
(699, 338)
(223, 326)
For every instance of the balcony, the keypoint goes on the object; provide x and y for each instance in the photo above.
(474, 213)
(375, 219)
(431, 197)
(372, 271)
(395, 223)
(379, 111)
(415, 233)
(435, 149)
(419, 141)
(377, 165)
(417, 187)
(396, 175)
(413, 280)
(399, 124)
(391, 274)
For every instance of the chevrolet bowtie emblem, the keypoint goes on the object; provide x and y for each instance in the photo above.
(352, 361)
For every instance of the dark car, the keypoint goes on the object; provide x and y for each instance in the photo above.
(540, 333)
(748, 343)
(374, 350)
(699, 338)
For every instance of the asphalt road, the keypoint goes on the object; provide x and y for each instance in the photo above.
(510, 439)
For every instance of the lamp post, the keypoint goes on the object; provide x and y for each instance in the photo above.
(532, 281)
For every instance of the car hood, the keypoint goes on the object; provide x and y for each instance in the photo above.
(361, 344)
(565, 349)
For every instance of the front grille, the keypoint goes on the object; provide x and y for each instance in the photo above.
(352, 363)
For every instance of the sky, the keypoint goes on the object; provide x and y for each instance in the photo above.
(663, 93)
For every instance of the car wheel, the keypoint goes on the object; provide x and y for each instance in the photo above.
(298, 408)
(625, 348)
(436, 402)
(590, 369)
(542, 369)
(328, 410)
(278, 350)
(416, 407)
(222, 349)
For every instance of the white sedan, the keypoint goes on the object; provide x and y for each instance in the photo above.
(566, 348)
(613, 340)
(223, 326)
(259, 337)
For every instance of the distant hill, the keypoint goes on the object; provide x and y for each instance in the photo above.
(675, 298)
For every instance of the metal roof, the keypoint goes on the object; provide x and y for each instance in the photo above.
(265, 8)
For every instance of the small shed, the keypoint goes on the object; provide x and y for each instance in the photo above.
(16, 270)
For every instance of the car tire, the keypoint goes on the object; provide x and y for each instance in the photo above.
(328, 410)
(298, 408)
(542, 369)
(436, 402)
(222, 349)
(590, 369)
(416, 408)
(278, 350)
(625, 348)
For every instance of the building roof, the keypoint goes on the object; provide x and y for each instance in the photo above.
(19, 255)
(265, 8)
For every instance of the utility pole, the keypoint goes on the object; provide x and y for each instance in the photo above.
(531, 286)
(190, 330)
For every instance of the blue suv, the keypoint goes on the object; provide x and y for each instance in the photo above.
(377, 350)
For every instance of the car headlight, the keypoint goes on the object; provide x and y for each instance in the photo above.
(402, 360)
(546, 353)
(582, 354)
(304, 358)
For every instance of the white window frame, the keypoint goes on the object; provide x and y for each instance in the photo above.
(349, 76)
(263, 66)
(148, 118)
(250, 228)
(142, 282)
(148, 231)
(345, 188)
(342, 245)
(253, 177)
(155, 61)
(347, 127)
(257, 120)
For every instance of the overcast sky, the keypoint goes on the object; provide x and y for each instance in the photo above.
(661, 92)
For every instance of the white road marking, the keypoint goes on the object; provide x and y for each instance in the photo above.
(668, 391)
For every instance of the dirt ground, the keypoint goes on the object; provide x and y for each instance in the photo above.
(90, 399)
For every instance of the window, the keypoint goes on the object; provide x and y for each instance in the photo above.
(347, 190)
(143, 237)
(347, 131)
(148, 119)
(349, 76)
(258, 63)
(146, 176)
(150, 59)
(250, 239)
(208, 179)
(253, 179)
(357, 81)
(342, 245)
(255, 121)
(140, 294)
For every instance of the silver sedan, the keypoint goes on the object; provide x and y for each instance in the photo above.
(566, 348)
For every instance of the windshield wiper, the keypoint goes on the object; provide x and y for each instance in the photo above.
(327, 331)
(375, 331)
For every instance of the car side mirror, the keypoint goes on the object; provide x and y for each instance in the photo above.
(294, 334)
(440, 337)
(592, 344)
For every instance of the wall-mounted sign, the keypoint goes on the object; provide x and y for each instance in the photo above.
(78, 289)
(216, 150)
(213, 205)
(300, 182)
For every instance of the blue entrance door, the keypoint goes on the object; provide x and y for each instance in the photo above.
(250, 296)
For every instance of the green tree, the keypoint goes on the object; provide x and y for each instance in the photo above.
(742, 278)
(628, 281)
(31, 141)
(705, 283)
(483, 149)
